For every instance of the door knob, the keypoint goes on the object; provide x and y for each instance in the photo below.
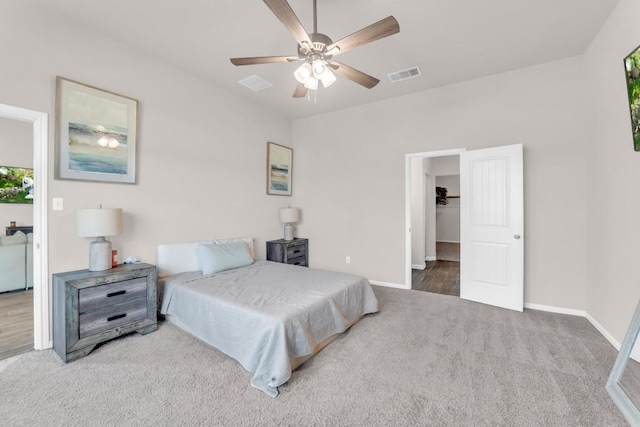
(516, 236)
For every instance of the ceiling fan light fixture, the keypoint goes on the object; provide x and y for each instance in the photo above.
(316, 50)
(303, 73)
(311, 83)
(319, 68)
(328, 78)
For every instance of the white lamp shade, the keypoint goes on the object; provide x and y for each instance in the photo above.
(319, 68)
(98, 222)
(328, 78)
(303, 73)
(311, 83)
(289, 215)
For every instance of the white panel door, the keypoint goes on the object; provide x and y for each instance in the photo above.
(491, 226)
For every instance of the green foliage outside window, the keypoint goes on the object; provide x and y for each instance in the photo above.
(14, 188)
(632, 64)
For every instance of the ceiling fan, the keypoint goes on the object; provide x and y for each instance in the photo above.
(317, 50)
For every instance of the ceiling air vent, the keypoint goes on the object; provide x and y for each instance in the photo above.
(255, 83)
(407, 74)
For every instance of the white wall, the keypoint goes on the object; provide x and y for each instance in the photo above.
(417, 213)
(356, 207)
(613, 179)
(448, 216)
(430, 209)
(16, 149)
(446, 165)
(200, 165)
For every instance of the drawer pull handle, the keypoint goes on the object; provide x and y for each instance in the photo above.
(113, 294)
(297, 251)
(117, 316)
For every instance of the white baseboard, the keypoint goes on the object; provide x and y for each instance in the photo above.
(614, 342)
(552, 309)
(388, 284)
(418, 266)
(603, 331)
(430, 258)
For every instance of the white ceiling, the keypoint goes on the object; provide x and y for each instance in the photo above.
(449, 40)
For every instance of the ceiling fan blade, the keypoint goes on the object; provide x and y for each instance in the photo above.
(287, 16)
(383, 28)
(252, 60)
(300, 91)
(354, 75)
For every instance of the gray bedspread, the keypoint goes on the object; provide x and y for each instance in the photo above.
(266, 314)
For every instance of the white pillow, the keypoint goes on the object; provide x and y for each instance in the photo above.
(213, 258)
(248, 241)
(176, 258)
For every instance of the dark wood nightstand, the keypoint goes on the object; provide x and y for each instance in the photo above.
(90, 307)
(295, 252)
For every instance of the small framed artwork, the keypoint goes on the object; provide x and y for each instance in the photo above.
(96, 134)
(16, 185)
(279, 169)
(632, 68)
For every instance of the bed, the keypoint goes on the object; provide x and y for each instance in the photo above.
(268, 316)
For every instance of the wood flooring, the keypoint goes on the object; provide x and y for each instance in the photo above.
(441, 276)
(16, 323)
(446, 251)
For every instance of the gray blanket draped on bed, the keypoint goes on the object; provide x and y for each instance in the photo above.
(266, 314)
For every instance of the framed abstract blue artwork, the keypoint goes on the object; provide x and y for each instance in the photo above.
(95, 135)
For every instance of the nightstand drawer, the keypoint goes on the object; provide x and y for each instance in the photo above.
(112, 317)
(296, 251)
(302, 261)
(90, 299)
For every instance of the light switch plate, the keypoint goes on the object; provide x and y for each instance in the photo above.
(57, 204)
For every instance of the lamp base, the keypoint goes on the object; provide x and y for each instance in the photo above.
(100, 255)
(288, 232)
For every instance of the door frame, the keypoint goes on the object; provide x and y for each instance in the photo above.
(41, 292)
(407, 197)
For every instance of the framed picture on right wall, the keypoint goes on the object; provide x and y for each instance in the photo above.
(279, 169)
(632, 68)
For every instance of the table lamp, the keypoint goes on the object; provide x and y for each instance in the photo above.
(99, 223)
(289, 216)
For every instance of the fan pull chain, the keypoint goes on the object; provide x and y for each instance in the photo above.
(315, 96)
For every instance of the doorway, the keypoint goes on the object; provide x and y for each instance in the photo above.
(491, 223)
(435, 224)
(41, 306)
(16, 219)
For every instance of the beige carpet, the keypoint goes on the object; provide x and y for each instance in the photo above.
(424, 360)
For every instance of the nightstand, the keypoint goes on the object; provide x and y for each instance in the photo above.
(295, 252)
(90, 307)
